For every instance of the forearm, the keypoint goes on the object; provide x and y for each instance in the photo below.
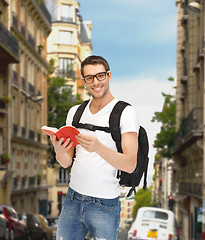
(64, 159)
(64, 152)
(125, 161)
(121, 161)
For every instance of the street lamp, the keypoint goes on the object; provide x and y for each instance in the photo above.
(194, 8)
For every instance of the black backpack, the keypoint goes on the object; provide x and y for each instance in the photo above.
(126, 179)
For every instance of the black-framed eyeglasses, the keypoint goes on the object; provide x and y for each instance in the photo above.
(100, 77)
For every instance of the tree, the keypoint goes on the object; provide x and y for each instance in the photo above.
(164, 141)
(143, 199)
(60, 100)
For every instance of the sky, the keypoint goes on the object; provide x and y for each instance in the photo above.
(138, 39)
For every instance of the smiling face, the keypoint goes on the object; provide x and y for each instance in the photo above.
(97, 89)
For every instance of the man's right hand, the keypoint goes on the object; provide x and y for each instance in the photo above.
(64, 153)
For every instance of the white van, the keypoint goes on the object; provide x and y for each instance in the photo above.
(153, 223)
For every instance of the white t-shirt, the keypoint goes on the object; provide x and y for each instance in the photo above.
(91, 175)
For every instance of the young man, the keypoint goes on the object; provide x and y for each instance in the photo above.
(92, 202)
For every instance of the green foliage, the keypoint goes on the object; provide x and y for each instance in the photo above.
(143, 199)
(60, 100)
(165, 138)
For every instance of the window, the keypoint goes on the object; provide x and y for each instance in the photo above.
(14, 110)
(22, 164)
(156, 214)
(65, 64)
(66, 13)
(22, 116)
(63, 176)
(30, 117)
(65, 37)
(30, 164)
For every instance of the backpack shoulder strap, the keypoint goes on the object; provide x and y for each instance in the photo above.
(114, 123)
(78, 113)
(76, 120)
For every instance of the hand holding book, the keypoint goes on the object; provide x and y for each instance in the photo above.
(63, 132)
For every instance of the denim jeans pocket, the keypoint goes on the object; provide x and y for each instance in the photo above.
(109, 203)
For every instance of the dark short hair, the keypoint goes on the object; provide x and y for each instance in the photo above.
(94, 60)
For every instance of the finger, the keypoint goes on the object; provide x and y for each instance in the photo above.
(67, 141)
(84, 136)
(53, 138)
(60, 141)
(69, 146)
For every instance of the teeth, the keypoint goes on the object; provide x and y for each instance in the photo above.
(96, 89)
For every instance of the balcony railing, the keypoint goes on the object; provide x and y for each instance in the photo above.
(23, 83)
(15, 77)
(15, 129)
(67, 19)
(23, 182)
(23, 131)
(191, 188)
(62, 181)
(44, 11)
(2, 105)
(8, 46)
(31, 89)
(31, 135)
(31, 40)
(15, 182)
(31, 181)
(39, 137)
(23, 31)
(193, 123)
(14, 20)
(67, 73)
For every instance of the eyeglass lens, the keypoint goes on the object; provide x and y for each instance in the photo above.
(100, 77)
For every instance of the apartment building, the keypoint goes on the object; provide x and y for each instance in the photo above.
(127, 206)
(188, 151)
(163, 181)
(9, 55)
(68, 44)
(30, 22)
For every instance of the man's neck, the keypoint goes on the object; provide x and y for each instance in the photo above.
(97, 104)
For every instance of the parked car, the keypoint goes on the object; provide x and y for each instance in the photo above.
(17, 229)
(44, 224)
(53, 222)
(153, 223)
(4, 228)
(35, 231)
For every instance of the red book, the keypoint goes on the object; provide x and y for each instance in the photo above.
(63, 132)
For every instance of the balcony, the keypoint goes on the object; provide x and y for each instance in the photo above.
(39, 137)
(45, 11)
(23, 182)
(31, 89)
(31, 181)
(15, 183)
(191, 188)
(31, 135)
(31, 40)
(15, 77)
(62, 181)
(191, 127)
(15, 129)
(23, 83)
(14, 20)
(67, 73)
(23, 31)
(8, 46)
(23, 132)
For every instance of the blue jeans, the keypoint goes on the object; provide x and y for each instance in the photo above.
(82, 214)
